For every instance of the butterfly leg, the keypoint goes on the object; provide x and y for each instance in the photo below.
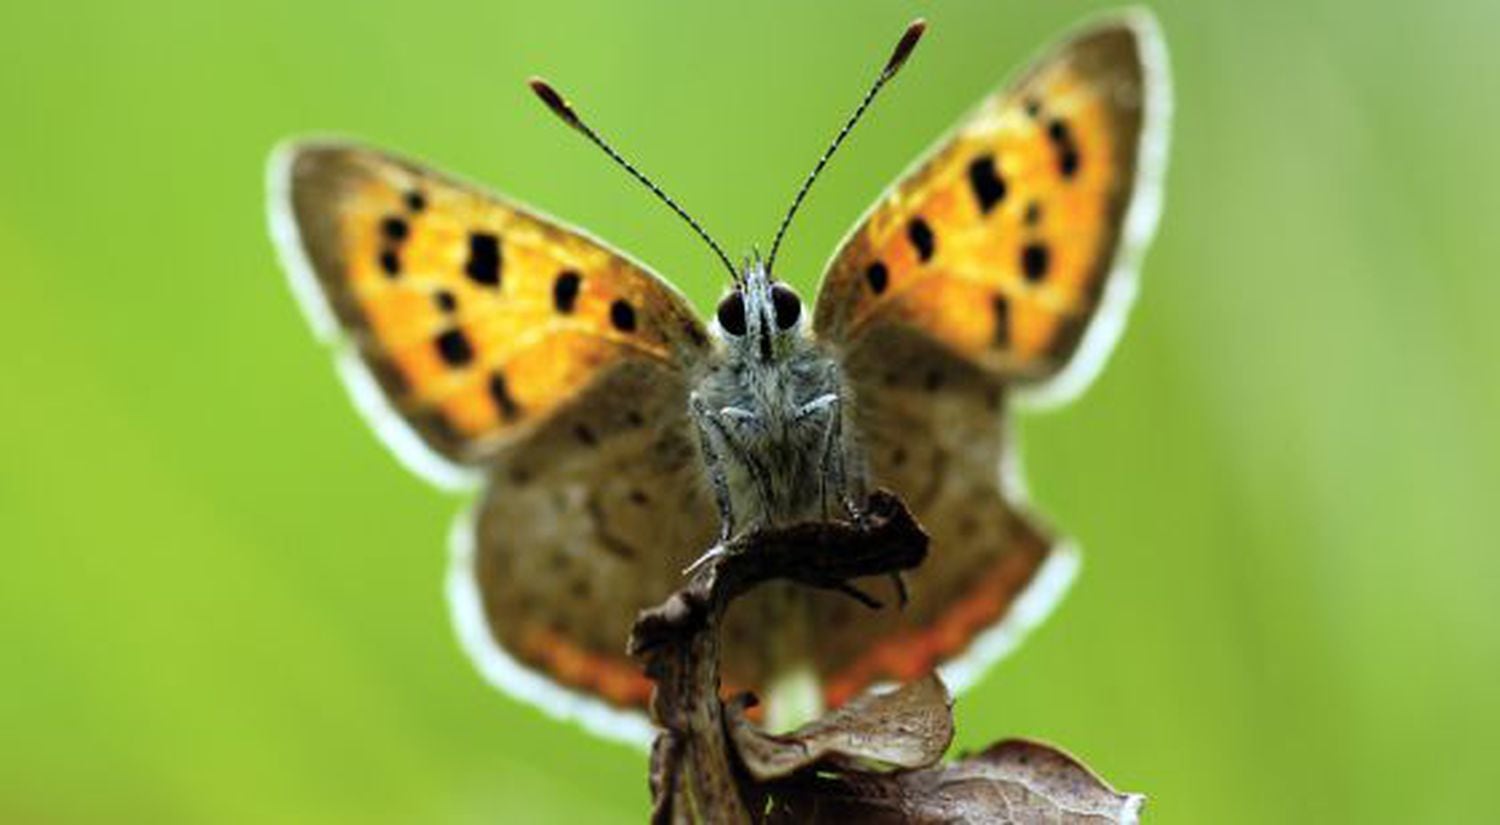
(745, 422)
(710, 430)
(823, 405)
(835, 471)
(717, 439)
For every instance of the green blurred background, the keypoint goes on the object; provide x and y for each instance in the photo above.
(221, 596)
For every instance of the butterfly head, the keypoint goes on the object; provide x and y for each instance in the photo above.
(760, 320)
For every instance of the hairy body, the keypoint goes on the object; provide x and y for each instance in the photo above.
(771, 414)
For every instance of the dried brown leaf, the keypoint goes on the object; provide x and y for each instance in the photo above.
(1016, 782)
(910, 727)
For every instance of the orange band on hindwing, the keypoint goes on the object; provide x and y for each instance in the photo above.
(912, 653)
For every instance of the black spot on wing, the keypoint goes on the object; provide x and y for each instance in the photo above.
(1067, 163)
(500, 394)
(565, 291)
(622, 315)
(390, 263)
(1065, 146)
(984, 178)
(415, 201)
(1035, 260)
(394, 229)
(445, 300)
(484, 262)
(878, 277)
(454, 348)
(922, 239)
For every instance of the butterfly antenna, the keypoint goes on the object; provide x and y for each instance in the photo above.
(902, 51)
(560, 107)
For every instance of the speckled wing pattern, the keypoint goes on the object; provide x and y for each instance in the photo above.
(1001, 265)
(489, 343)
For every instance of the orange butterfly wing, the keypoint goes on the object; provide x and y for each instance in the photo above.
(1003, 262)
(486, 341)
(1004, 244)
(477, 317)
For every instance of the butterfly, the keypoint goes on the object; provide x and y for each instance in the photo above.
(615, 437)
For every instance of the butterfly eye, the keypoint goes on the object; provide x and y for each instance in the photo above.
(732, 314)
(787, 305)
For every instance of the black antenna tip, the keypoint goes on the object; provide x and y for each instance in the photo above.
(904, 47)
(555, 102)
